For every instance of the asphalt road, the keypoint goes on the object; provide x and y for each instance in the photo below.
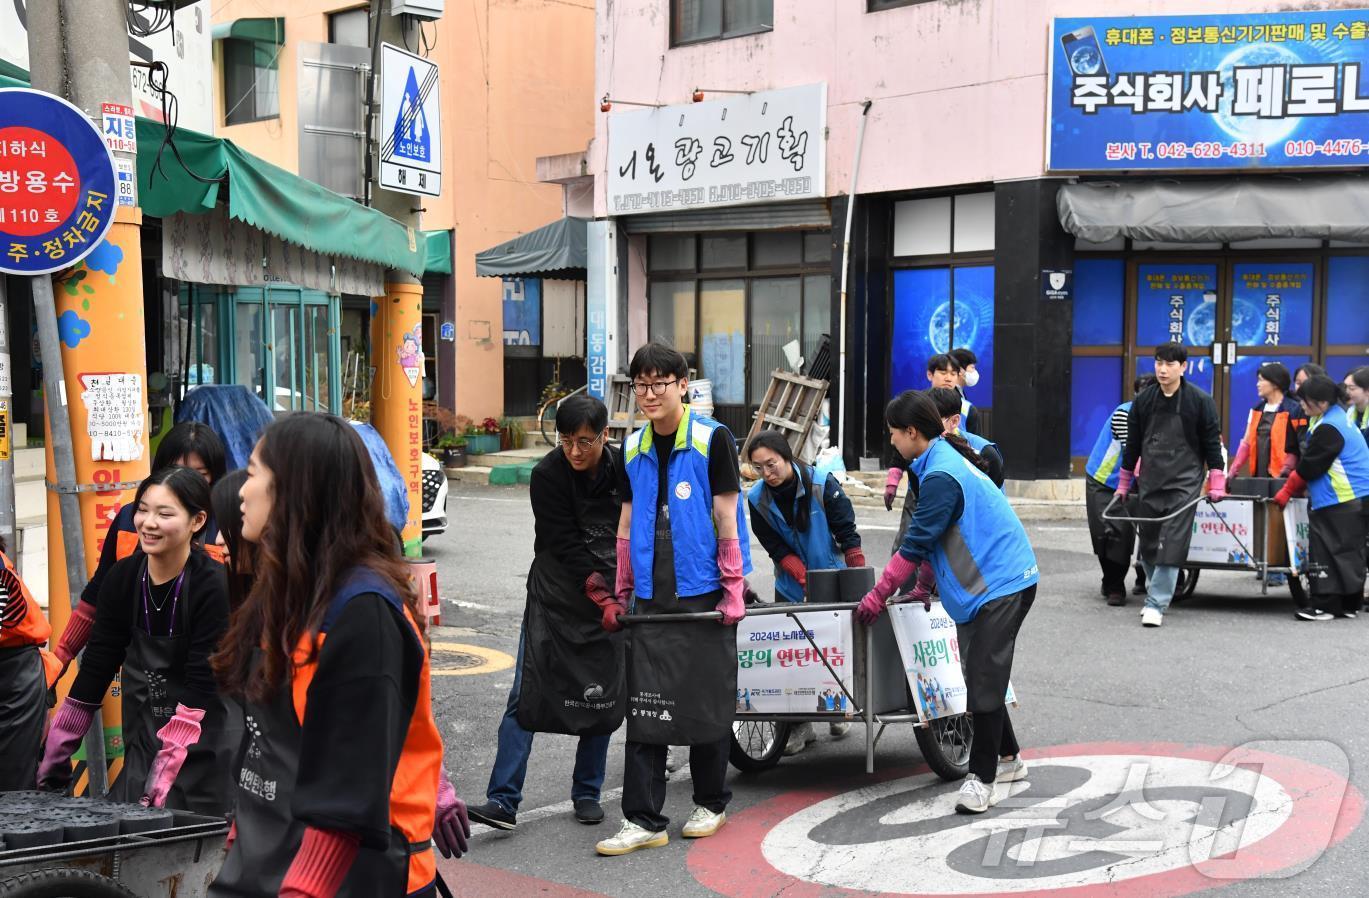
(1136, 713)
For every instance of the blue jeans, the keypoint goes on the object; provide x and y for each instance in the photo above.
(515, 745)
(1161, 580)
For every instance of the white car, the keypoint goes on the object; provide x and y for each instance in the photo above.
(434, 497)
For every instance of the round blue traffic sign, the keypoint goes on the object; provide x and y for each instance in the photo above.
(57, 183)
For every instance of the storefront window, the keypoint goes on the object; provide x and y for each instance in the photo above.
(727, 252)
(670, 316)
(249, 339)
(776, 319)
(200, 323)
(722, 338)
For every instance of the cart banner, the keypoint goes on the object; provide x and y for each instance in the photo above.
(780, 672)
(1295, 529)
(1275, 90)
(1213, 542)
(930, 649)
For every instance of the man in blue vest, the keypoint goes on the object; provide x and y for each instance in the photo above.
(679, 551)
(1112, 540)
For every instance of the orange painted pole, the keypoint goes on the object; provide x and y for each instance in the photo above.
(397, 393)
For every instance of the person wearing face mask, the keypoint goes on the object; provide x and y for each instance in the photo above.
(1270, 445)
(1334, 471)
(803, 526)
(1112, 540)
(968, 377)
(987, 577)
(1173, 429)
(160, 615)
(1357, 391)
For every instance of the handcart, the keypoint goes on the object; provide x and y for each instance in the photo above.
(1240, 533)
(172, 854)
(875, 692)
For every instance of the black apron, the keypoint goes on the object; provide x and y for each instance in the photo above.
(153, 675)
(1336, 546)
(23, 711)
(1171, 477)
(1112, 540)
(1263, 447)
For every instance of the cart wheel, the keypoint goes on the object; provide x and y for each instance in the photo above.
(1188, 582)
(63, 884)
(757, 744)
(945, 745)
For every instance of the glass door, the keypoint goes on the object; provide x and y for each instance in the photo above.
(1177, 302)
(1270, 320)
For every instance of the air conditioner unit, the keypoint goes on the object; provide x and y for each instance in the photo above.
(429, 10)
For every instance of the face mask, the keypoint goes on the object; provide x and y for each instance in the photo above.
(971, 377)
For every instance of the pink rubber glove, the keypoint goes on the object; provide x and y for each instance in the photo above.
(597, 592)
(896, 573)
(181, 732)
(1293, 487)
(68, 728)
(732, 606)
(926, 582)
(855, 557)
(891, 482)
(1290, 461)
(623, 582)
(1240, 458)
(76, 634)
(320, 864)
(1124, 481)
(1216, 484)
(452, 831)
(793, 566)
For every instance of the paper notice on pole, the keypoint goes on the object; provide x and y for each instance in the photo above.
(114, 415)
(780, 672)
(4, 430)
(6, 388)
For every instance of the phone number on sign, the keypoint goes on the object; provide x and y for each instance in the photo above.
(1207, 149)
(1341, 147)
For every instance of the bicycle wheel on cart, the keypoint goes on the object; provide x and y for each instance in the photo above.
(757, 744)
(945, 745)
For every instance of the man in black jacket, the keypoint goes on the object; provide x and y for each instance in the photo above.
(575, 506)
(1174, 432)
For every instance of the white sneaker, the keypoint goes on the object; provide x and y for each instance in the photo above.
(799, 737)
(839, 730)
(1152, 617)
(702, 823)
(629, 839)
(975, 796)
(1011, 771)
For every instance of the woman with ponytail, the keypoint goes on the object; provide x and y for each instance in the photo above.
(986, 573)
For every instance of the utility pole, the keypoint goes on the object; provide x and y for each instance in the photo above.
(396, 402)
(78, 49)
(8, 531)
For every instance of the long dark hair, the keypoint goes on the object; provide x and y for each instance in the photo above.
(1320, 388)
(327, 519)
(192, 438)
(189, 489)
(228, 518)
(915, 409)
(776, 443)
(1360, 376)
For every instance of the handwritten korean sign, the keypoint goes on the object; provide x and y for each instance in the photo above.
(755, 148)
(56, 183)
(114, 406)
(1218, 91)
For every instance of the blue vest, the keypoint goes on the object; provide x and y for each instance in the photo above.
(986, 554)
(1348, 477)
(690, 503)
(816, 547)
(979, 444)
(1358, 420)
(1105, 461)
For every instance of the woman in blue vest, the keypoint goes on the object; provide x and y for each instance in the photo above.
(1113, 541)
(1334, 469)
(986, 573)
(1357, 389)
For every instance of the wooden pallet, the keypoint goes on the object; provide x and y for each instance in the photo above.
(623, 417)
(792, 404)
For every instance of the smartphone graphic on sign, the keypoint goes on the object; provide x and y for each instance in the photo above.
(1083, 52)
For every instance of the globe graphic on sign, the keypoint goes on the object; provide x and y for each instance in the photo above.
(1251, 127)
(1247, 323)
(1202, 324)
(973, 316)
(1086, 60)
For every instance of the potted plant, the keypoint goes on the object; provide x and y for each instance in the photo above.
(511, 434)
(483, 438)
(453, 449)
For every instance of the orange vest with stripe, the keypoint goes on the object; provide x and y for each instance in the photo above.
(1278, 451)
(126, 543)
(24, 623)
(413, 795)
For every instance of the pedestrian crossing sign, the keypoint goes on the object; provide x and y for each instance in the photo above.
(411, 125)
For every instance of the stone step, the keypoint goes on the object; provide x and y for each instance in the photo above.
(522, 456)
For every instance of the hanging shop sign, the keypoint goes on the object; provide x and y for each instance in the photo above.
(57, 189)
(411, 122)
(753, 148)
(1284, 89)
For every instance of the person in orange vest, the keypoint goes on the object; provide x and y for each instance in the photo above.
(341, 790)
(26, 672)
(189, 445)
(1269, 447)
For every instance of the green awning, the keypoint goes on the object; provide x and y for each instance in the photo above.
(267, 197)
(439, 252)
(266, 31)
(559, 249)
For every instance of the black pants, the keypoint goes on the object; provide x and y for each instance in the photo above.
(1114, 575)
(644, 781)
(987, 644)
(23, 712)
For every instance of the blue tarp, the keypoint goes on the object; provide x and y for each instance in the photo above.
(387, 472)
(233, 411)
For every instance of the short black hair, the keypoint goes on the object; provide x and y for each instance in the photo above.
(1171, 352)
(964, 356)
(946, 399)
(943, 362)
(1311, 369)
(192, 438)
(658, 358)
(772, 440)
(1142, 382)
(1276, 374)
(576, 411)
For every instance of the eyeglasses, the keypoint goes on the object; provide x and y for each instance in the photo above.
(584, 444)
(657, 387)
(771, 467)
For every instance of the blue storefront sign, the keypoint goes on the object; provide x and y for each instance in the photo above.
(522, 311)
(57, 195)
(936, 310)
(1275, 90)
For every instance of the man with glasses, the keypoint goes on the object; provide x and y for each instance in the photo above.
(679, 551)
(569, 640)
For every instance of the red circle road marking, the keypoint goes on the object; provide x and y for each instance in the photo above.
(735, 866)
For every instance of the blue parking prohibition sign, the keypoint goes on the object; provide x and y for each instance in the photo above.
(57, 188)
